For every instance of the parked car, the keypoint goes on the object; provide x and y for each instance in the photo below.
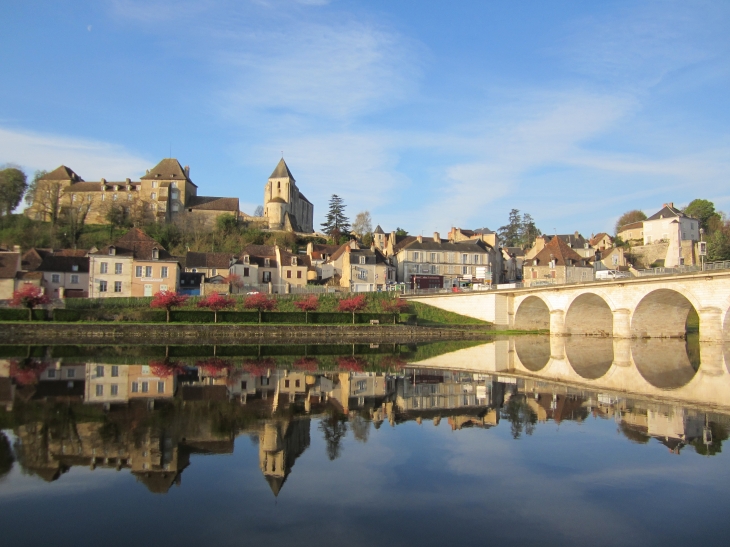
(605, 275)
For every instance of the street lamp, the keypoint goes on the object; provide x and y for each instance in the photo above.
(702, 249)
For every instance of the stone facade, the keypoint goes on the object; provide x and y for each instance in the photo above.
(285, 207)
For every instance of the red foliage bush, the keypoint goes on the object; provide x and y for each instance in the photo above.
(259, 301)
(29, 296)
(351, 364)
(259, 367)
(310, 364)
(217, 302)
(214, 366)
(352, 304)
(165, 369)
(168, 300)
(396, 305)
(310, 303)
(27, 372)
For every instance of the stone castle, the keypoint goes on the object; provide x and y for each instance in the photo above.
(285, 207)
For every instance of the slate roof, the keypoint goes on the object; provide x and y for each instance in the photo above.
(667, 211)
(402, 241)
(559, 251)
(64, 264)
(257, 254)
(96, 186)
(137, 244)
(210, 203)
(319, 250)
(517, 251)
(208, 260)
(168, 169)
(9, 263)
(62, 173)
(632, 226)
(34, 257)
(372, 256)
(282, 171)
(428, 244)
(378, 230)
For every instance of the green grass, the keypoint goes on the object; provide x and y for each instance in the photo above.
(430, 315)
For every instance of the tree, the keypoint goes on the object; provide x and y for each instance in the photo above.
(400, 232)
(529, 231)
(30, 194)
(352, 304)
(226, 223)
(511, 233)
(395, 306)
(235, 281)
(73, 222)
(336, 219)
(363, 224)
(259, 211)
(718, 244)
(29, 296)
(310, 303)
(260, 302)
(13, 184)
(168, 300)
(704, 211)
(113, 213)
(629, 217)
(216, 302)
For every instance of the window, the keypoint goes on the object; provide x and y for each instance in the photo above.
(55, 278)
(266, 277)
(175, 207)
(476, 259)
(244, 385)
(299, 274)
(145, 387)
(115, 371)
(74, 279)
(464, 259)
(297, 383)
(362, 274)
(99, 371)
(99, 390)
(433, 257)
(129, 197)
(173, 185)
(163, 271)
(114, 197)
(154, 185)
(118, 268)
(88, 198)
(115, 389)
(293, 261)
(362, 260)
(415, 256)
(160, 387)
(70, 373)
(103, 267)
(102, 286)
(246, 259)
(267, 262)
(135, 387)
(465, 270)
(103, 197)
(73, 198)
(155, 254)
(163, 287)
(286, 383)
(288, 274)
(117, 286)
(138, 271)
(246, 272)
(148, 271)
(434, 269)
(51, 373)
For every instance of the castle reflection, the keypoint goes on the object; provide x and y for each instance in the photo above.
(152, 418)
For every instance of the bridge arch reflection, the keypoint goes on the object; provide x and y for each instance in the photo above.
(665, 364)
(661, 314)
(533, 351)
(590, 359)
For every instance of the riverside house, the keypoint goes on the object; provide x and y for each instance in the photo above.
(556, 263)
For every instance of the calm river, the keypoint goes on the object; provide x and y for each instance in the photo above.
(515, 441)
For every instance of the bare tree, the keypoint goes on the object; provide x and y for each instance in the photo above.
(259, 211)
(73, 221)
(363, 224)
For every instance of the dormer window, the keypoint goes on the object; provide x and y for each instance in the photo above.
(112, 250)
(155, 253)
(246, 259)
(362, 260)
(267, 262)
(173, 185)
(74, 267)
(552, 264)
(293, 261)
(534, 262)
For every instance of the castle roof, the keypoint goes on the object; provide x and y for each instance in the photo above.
(167, 169)
(210, 203)
(282, 171)
(62, 173)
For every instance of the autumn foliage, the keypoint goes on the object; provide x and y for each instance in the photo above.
(309, 364)
(396, 305)
(29, 296)
(352, 304)
(168, 300)
(259, 301)
(216, 302)
(310, 303)
(351, 364)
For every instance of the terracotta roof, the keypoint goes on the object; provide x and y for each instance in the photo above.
(319, 251)
(9, 263)
(137, 244)
(71, 252)
(302, 260)
(210, 203)
(62, 173)
(65, 264)
(281, 171)
(598, 237)
(167, 169)
(339, 252)
(208, 260)
(559, 251)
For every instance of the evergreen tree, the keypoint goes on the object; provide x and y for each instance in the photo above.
(511, 234)
(336, 219)
(529, 231)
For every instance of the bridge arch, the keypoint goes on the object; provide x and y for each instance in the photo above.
(532, 314)
(591, 358)
(589, 314)
(661, 313)
(665, 364)
(533, 351)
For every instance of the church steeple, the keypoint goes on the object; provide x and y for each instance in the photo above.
(282, 171)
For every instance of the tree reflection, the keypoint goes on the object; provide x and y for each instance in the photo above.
(719, 433)
(360, 428)
(520, 416)
(334, 428)
(6, 456)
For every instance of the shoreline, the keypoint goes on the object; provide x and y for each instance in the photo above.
(184, 334)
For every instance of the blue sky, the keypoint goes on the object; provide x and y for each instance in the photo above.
(428, 114)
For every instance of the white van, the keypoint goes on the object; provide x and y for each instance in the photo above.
(611, 274)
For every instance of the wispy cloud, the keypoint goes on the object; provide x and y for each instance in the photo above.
(90, 159)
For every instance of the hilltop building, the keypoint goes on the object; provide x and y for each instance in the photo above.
(285, 207)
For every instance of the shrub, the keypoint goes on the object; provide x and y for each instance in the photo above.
(216, 302)
(310, 303)
(260, 302)
(352, 304)
(168, 300)
(29, 296)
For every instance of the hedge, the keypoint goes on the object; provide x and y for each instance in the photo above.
(329, 318)
(191, 316)
(60, 314)
(238, 317)
(385, 318)
(283, 317)
(21, 314)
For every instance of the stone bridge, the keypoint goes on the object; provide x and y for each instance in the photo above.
(644, 307)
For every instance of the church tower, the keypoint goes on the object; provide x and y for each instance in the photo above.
(285, 208)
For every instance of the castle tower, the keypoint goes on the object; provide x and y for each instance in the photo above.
(285, 208)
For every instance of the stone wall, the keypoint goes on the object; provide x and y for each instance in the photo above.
(643, 256)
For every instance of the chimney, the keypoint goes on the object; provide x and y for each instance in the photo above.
(436, 237)
(420, 239)
(187, 171)
(16, 248)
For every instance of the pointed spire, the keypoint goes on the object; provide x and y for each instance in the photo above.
(281, 171)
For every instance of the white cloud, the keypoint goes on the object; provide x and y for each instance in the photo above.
(92, 160)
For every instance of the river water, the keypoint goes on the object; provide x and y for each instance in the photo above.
(511, 441)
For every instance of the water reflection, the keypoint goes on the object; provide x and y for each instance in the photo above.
(150, 418)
